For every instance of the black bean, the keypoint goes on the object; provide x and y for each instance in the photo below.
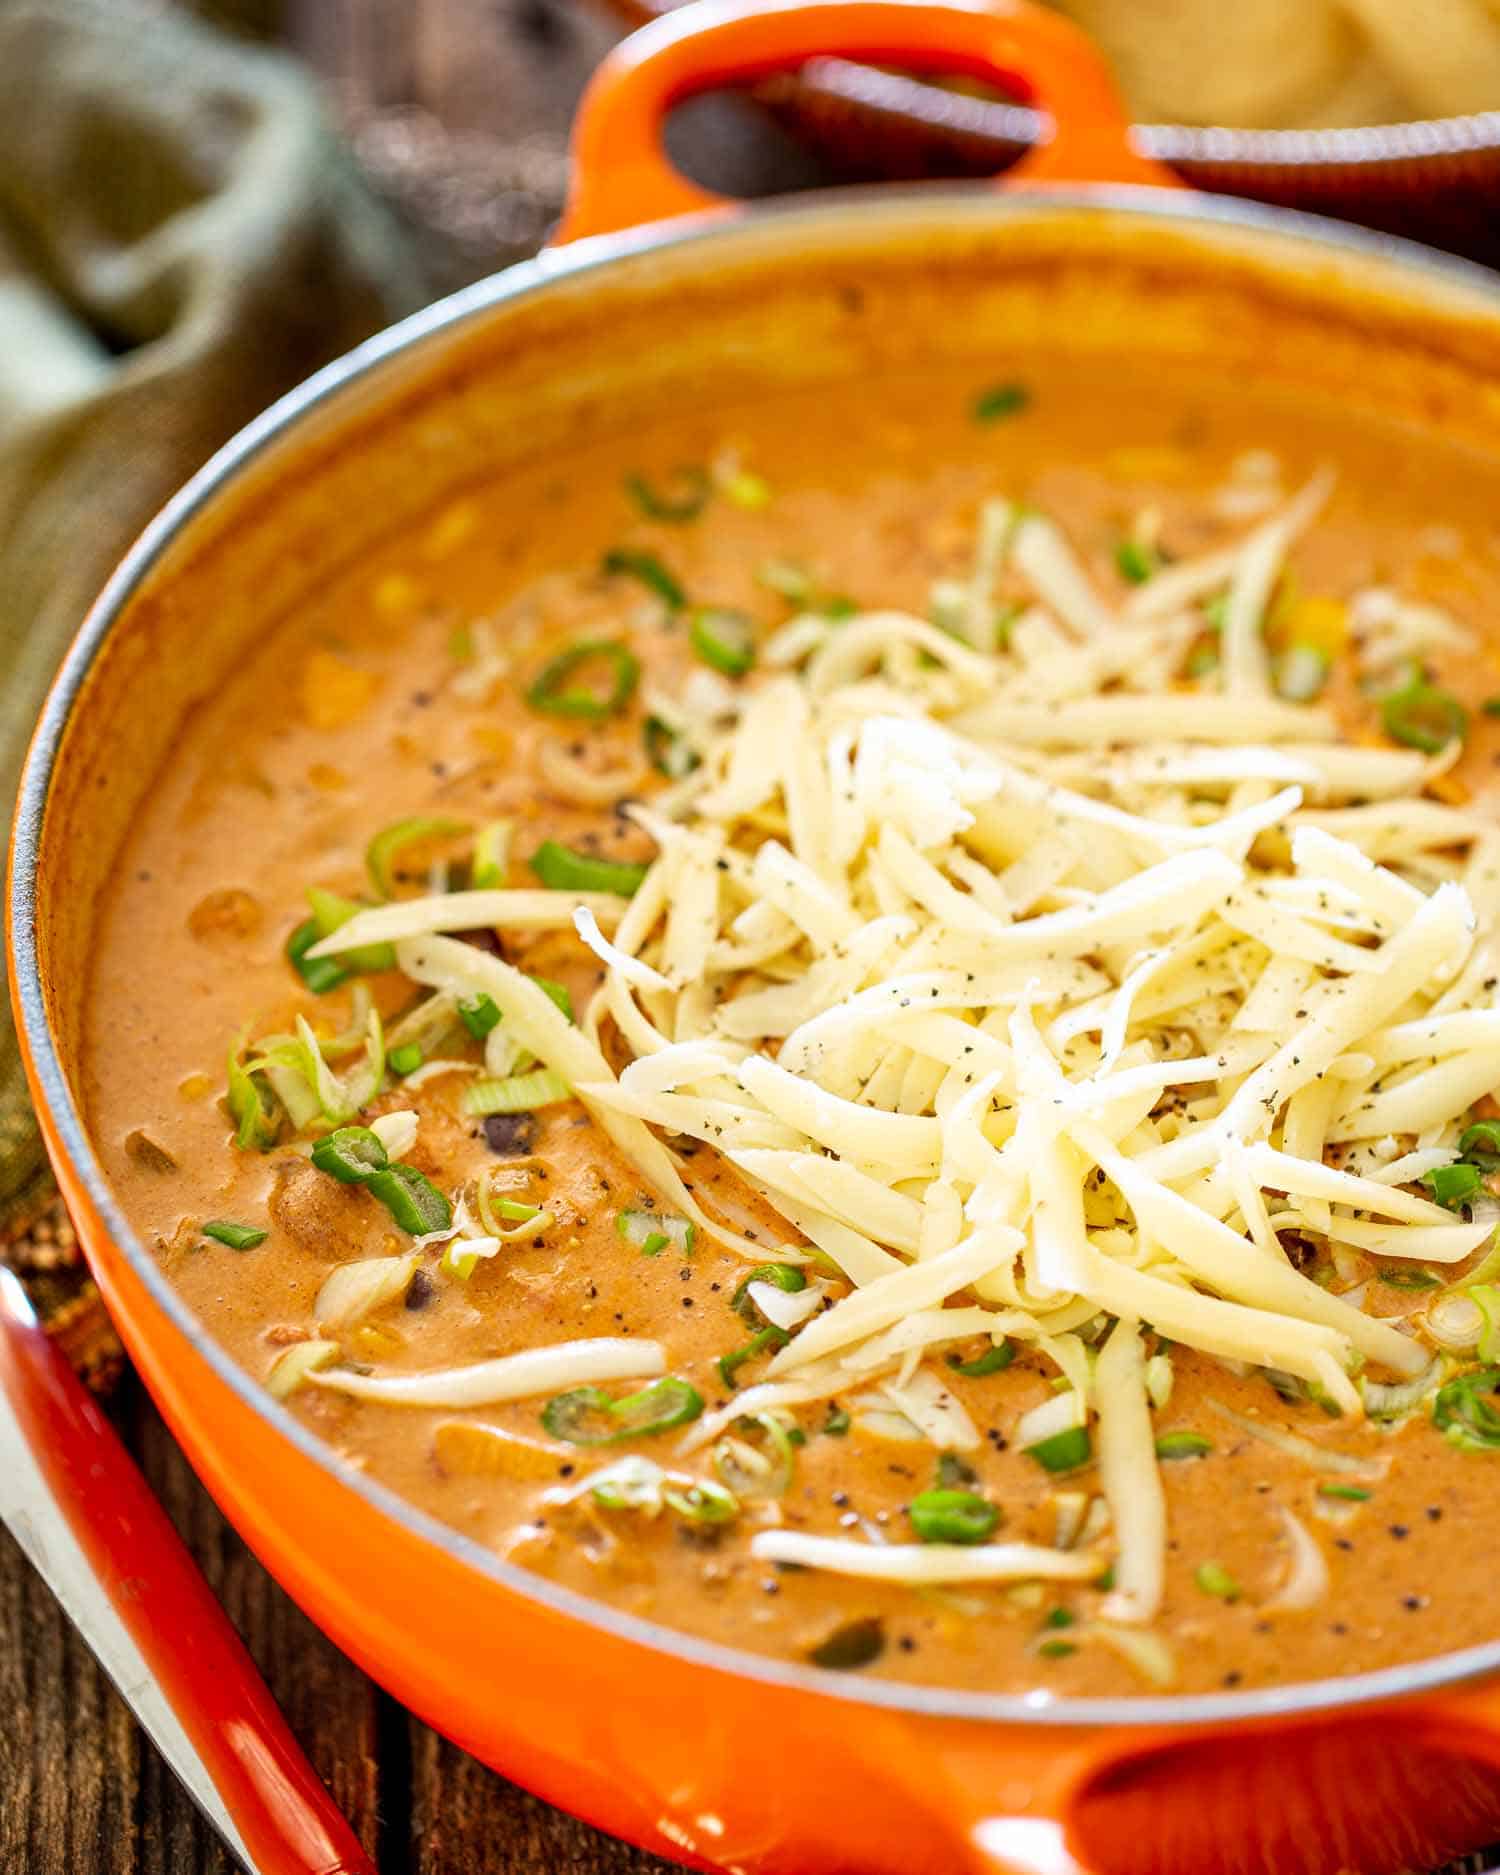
(855, 1644)
(511, 1135)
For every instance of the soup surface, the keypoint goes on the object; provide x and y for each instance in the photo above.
(928, 827)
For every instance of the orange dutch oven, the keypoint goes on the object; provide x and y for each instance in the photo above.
(716, 1758)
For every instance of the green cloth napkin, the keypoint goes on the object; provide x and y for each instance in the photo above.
(182, 238)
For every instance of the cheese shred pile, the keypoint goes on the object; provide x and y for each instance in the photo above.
(1049, 996)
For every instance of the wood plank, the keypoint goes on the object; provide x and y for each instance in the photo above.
(332, 1708)
(467, 1821)
(70, 1753)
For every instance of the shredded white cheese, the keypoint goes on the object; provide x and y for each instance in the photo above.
(1030, 985)
(511, 1377)
(926, 1562)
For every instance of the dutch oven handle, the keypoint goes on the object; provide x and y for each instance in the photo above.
(622, 176)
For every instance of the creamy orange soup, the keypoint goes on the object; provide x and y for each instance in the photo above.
(402, 694)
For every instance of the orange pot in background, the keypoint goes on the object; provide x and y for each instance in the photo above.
(1432, 180)
(721, 1759)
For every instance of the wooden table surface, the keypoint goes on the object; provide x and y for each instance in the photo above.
(459, 110)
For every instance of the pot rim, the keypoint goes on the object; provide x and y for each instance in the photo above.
(980, 201)
(1359, 146)
(1207, 151)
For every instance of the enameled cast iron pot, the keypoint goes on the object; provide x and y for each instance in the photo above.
(717, 1758)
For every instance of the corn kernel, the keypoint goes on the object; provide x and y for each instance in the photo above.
(395, 595)
(450, 530)
(334, 693)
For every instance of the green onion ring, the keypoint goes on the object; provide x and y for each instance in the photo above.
(588, 1416)
(351, 1154)
(560, 869)
(1423, 717)
(552, 693)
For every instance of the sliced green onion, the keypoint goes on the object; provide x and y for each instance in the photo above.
(351, 1154)
(588, 1416)
(1056, 1649)
(1064, 1451)
(796, 585)
(837, 1423)
(1487, 1299)
(631, 1483)
(787, 580)
(1480, 1145)
(490, 865)
(1060, 1618)
(1159, 1379)
(406, 1059)
(292, 1366)
(320, 974)
(646, 568)
(356, 1033)
(552, 693)
(783, 1276)
(702, 1501)
(283, 1063)
(558, 992)
(723, 638)
(1423, 717)
(669, 753)
(1403, 1278)
(364, 1081)
(1348, 1493)
(236, 1236)
(1463, 1418)
(496, 1213)
(730, 1364)
(256, 1125)
(332, 909)
(305, 1084)
(1453, 1186)
(1491, 706)
(381, 853)
(516, 1210)
(1216, 611)
(479, 1015)
(411, 1198)
(1301, 672)
(952, 1517)
(1203, 660)
(515, 1093)
(1174, 1445)
(1136, 561)
(994, 1360)
(752, 1473)
(432, 1022)
(560, 869)
(1214, 1579)
(682, 497)
(1000, 400)
(651, 1232)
